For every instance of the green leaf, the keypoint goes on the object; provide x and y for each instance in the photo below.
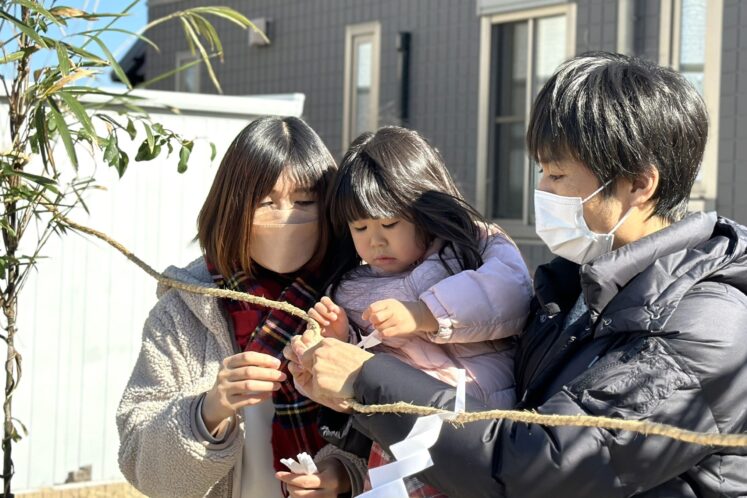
(144, 153)
(149, 137)
(184, 153)
(159, 129)
(213, 151)
(79, 111)
(63, 59)
(131, 131)
(12, 57)
(111, 151)
(64, 132)
(47, 183)
(40, 122)
(124, 160)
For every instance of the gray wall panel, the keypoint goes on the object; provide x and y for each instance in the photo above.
(732, 153)
(307, 55)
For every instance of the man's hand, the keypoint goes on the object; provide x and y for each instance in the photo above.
(393, 318)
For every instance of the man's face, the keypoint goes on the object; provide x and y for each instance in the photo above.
(570, 178)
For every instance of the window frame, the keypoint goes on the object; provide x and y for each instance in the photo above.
(704, 191)
(185, 57)
(519, 228)
(353, 31)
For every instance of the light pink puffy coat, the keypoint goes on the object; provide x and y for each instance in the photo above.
(477, 311)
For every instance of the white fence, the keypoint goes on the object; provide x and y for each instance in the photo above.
(81, 313)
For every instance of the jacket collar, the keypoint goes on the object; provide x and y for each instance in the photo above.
(603, 278)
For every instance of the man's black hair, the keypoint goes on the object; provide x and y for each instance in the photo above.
(619, 115)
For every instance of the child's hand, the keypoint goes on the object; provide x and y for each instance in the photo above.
(332, 318)
(394, 318)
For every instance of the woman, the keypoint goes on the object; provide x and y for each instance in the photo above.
(209, 410)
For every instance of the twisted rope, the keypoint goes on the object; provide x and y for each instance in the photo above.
(527, 417)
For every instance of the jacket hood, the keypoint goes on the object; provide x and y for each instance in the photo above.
(648, 278)
(642, 283)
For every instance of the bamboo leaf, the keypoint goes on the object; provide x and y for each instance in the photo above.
(63, 59)
(92, 58)
(42, 138)
(203, 53)
(64, 11)
(60, 83)
(64, 132)
(123, 31)
(207, 30)
(12, 57)
(213, 151)
(24, 28)
(79, 112)
(113, 62)
(37, 7)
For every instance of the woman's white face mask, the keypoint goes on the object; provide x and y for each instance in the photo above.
(283, 240)
(560, 223)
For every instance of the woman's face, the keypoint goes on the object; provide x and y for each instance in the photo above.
(570, 178)
(285, 228)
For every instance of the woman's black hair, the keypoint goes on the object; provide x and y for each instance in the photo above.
(619, 116)
(395, 172)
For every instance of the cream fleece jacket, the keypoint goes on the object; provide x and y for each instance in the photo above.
(162, 452)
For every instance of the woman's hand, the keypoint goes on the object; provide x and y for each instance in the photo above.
(393, 318)
(244, 379)
(331, 481)
(332, 318)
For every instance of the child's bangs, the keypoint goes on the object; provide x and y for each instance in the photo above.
(361, 196)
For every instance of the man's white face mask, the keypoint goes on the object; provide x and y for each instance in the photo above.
(560, 223)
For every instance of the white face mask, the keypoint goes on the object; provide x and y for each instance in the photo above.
(283, 240)
(560, 223)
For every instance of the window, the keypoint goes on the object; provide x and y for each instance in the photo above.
(188, 79)
(361, 90)
(519, 53)
(686, 46)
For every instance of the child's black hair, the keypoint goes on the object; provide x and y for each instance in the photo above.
(395, 172)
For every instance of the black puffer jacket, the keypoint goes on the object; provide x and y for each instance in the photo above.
(665, 340)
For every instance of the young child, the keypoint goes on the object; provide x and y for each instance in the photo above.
(440, 288)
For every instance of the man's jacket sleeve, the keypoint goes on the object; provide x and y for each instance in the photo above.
(672, 381)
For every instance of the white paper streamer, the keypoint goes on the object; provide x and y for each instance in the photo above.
(411, 454)
(370, 340)
(304, 465)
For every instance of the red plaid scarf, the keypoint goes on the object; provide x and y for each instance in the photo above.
(294, 425)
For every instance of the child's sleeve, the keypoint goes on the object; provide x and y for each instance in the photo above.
(491, 302)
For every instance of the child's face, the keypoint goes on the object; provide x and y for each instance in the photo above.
(391, 245)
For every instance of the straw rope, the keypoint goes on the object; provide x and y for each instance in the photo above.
(527, 417)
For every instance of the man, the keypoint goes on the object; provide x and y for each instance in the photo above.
(642, 316)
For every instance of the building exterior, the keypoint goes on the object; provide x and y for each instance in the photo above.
(464, 73)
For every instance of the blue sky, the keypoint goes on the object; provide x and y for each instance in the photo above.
(117, 43)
